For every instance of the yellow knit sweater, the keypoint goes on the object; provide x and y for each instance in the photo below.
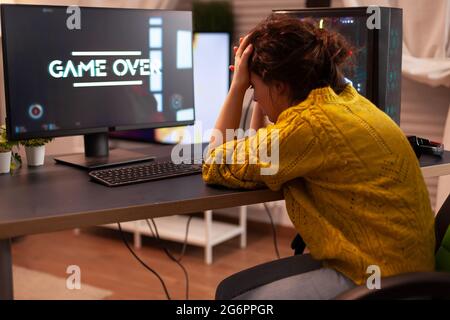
(352, 184)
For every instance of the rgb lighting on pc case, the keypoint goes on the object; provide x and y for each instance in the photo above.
(378, 65)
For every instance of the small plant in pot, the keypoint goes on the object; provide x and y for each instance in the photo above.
(5, 151)
(35, 150)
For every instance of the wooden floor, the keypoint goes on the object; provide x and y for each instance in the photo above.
(106, 263)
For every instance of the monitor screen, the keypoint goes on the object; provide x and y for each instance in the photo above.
(353, 26)
(211, 84)
(121, 69)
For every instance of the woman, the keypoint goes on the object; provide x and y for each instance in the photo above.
(352, 184)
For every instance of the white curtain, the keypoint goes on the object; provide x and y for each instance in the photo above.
(426, 37)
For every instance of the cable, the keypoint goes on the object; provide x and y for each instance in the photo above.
(183, 250)
(143, 263)
(169, 254)
(151, 230)
(275, 243)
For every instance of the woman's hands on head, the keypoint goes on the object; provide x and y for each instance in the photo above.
(241, 77)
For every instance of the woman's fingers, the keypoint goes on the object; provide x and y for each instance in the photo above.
(242, 46)
(246, 54)
(231, 68)
(248, 50)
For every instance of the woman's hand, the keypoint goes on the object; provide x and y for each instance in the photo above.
(241, 77)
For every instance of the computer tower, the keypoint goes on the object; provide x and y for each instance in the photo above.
(379, 72)
(387, 91)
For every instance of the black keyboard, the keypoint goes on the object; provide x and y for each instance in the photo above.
(115, 177)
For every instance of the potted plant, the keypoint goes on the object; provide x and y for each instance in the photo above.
(9, 159)
(5, 151)
(213, 16)
(35, 150)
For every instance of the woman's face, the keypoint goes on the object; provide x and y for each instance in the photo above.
(273, 99)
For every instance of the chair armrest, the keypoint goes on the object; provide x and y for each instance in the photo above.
(411, 285)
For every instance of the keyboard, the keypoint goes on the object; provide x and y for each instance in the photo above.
(114, 177)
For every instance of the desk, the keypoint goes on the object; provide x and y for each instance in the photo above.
(56, 197)
(435, 166)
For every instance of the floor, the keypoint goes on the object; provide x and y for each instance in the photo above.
(106, 263)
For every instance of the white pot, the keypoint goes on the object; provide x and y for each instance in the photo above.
(5, 162)
(35, 155)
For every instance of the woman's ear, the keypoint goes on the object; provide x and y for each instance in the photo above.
(282, 88)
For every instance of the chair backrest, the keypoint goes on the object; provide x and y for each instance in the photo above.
(442, 222)
(443, 255)
(433, 285)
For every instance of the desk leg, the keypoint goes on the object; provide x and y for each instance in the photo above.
(6, 281)
(243, 225)
(208, 236)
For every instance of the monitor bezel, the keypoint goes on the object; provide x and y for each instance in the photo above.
(78, 131)
(372, 49)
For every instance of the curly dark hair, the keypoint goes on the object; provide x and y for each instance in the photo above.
(299, 54)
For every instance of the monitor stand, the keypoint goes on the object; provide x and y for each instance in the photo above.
(97, 154)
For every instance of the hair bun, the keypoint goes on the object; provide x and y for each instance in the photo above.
(335, 44)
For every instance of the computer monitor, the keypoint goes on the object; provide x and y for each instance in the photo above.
(211, 85)
(211, 52)
(378, 57)
(121, 69)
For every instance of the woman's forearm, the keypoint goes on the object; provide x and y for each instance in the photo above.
(229, 117)
(230, 114)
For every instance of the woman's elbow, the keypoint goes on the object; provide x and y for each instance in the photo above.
(209, 175)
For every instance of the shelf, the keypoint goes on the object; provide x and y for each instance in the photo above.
(203, 232)
(174, 228)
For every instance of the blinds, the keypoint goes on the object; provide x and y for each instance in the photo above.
(248, 13)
